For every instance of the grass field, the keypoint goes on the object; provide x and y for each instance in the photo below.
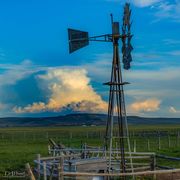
(21, 145)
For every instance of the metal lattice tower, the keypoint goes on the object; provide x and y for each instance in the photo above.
(116, 133)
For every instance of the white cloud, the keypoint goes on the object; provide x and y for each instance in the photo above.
(173, 110)
(70, 89)
(138, 3)
(164, 74)
(174, 53)
(2, 106)
(171, 41)
(163, 8)
(168, 10)
(144, 3)
(148, 105)
(13, 73)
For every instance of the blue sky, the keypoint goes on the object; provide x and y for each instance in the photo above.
(38, 77)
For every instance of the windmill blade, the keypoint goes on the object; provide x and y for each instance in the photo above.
(126, 41)
(130, 37)
(123, 49)
(129, 27)
(123, 44)
(130, 47)
(77, 39)
(123, 31)
(126, 19)
(126, 7)
(129, 58)
(126, 64)
(127, 14)
(124, 59)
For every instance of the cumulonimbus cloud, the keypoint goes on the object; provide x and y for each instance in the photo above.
(148, 105)
(69, 89)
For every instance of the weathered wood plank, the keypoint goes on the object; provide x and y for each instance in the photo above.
(30, 173)
(121, 174)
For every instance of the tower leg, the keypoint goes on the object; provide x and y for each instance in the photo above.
(116, 108)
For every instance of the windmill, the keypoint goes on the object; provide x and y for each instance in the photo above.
(115, 134)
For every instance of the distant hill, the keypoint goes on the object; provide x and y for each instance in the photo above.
(79, 119)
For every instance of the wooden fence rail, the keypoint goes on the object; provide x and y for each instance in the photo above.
(168, 157)
(121, 174)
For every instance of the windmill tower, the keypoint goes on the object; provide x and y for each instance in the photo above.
(116, 137)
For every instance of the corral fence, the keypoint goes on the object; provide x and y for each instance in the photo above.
(58, 167)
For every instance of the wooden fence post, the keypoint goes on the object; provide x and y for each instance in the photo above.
(24, 134)
(71, 135)
(169, 142)
(134, 145)
(133, 133)
(47, 135)
(61, 169)
(159, 143)
(98, 152)
(153, 165)
(44, 170)
(85, 152)
(34, 137)
(105, 153)
(49, 149)
(177, 140)
(116, 149)
(148, 145)
(29, 171)
(39, 165)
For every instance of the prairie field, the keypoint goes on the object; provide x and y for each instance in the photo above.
(21, 145)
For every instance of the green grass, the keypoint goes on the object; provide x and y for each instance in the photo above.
(21, 145)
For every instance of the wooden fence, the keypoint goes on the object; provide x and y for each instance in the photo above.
(58, 163)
